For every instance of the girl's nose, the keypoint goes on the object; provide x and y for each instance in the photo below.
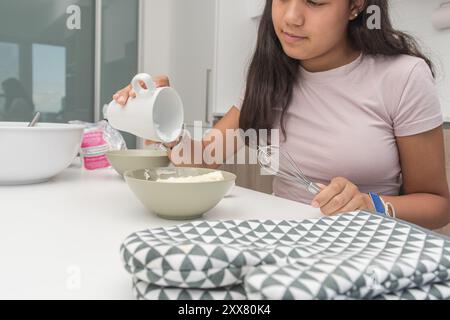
(295, 14)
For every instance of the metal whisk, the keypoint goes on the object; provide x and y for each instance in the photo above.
(281, 164)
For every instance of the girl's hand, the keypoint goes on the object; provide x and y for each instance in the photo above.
(121, 96)
(341, 196)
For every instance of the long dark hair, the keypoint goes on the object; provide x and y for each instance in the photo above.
(272, 74)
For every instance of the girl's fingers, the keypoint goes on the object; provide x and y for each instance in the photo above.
(123, 98)
(142, 84)
(132, 94)
(149, 142)
(321, 186)
(170, 145)
(339, 201)
(322, 198)
(353, 205)
(161, 81)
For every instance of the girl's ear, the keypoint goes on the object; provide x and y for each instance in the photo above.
(356, 7)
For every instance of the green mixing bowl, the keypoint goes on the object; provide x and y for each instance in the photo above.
(178, 201)
(126, 160)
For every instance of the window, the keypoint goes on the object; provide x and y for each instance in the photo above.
(49, 78)
(9, 68)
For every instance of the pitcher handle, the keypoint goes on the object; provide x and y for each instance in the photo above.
(147, 79)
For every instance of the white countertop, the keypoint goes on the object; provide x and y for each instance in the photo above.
(61, 239)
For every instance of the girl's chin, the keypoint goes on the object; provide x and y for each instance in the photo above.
(297, 54)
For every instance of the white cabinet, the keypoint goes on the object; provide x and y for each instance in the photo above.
(204, 46)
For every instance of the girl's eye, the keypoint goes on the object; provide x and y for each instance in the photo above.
(314, 3)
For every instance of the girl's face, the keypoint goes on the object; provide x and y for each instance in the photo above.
(308, 29)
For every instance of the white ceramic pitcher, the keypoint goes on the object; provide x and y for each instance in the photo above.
(155, 114)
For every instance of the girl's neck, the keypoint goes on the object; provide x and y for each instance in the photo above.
(335, 58)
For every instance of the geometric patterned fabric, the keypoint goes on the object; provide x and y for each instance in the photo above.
(358, 255)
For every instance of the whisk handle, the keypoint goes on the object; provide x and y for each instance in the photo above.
(313, 188)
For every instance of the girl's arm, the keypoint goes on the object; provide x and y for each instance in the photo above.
(227, 126)
(426, 201)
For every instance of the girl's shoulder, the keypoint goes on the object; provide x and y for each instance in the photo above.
(398, 66)
(393, 74)
(409, 92)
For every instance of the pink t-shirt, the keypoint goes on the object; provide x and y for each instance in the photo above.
(344, 122)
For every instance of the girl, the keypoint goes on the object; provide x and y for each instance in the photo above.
(357, 108)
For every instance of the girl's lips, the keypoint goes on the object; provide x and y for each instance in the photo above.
(292, 38)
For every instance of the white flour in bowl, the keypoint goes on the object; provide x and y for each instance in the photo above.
(209, 177)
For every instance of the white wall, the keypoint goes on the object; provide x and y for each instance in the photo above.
(235, 42)
(414, 16)
(192, 55)
(178, 41)
(156, 13)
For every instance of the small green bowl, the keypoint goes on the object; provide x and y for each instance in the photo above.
(178, 201)
(126, 160)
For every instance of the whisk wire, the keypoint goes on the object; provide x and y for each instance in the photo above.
(292, 173)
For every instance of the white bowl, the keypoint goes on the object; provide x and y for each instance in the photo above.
(35, 155)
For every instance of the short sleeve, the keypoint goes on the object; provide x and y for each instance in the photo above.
(240, 99)
(419, 109)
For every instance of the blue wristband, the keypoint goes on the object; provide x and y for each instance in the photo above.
(377, 203)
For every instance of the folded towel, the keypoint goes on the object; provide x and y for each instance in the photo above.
(146, 291)
(295, 282)
(356, 255)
